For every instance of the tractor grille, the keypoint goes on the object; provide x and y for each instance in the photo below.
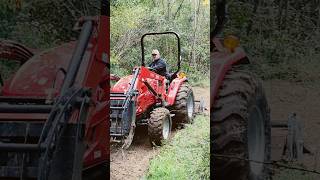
(36, 140)
(116, 108)
(19, 163)
(20, 128)
(122, 112)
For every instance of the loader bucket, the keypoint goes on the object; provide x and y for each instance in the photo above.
(46, 141)
(123, 113)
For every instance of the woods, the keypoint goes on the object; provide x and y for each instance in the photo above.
(282, 37)
(190, 19)
(40, 24)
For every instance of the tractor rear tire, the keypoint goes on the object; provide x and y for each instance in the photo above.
(183, 107)
(159, 125)
(241, 128)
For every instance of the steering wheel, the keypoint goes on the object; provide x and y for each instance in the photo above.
(151, 69)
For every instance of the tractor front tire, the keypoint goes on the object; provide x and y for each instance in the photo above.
(240, 123)
(183, 107)
(159, 125)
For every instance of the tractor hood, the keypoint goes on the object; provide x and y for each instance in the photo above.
(41, 73)
(122, 85)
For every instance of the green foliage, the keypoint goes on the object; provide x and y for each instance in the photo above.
(187, 156)
(7, 68)
(40, 24)
(281, 37)
(131, 19)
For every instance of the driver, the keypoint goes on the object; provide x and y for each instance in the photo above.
(158, 64)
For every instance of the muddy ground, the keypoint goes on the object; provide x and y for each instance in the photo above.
(133, 163)
(304, 100)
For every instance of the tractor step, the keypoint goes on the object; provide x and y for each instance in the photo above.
(114, 140)
(26, 108)
(18, 147)
(15, 99)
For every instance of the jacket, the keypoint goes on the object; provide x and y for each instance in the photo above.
(160, 66)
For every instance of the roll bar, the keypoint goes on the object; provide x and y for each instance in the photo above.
(161, 33)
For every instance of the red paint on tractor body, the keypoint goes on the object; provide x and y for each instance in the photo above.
(146, 99)
(37, 75)
(173, 89)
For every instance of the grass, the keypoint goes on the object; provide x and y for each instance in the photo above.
(295, 175)
(186, 156)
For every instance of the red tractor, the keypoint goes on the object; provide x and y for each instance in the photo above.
(54, 109)
(147, 98)
(240, 120)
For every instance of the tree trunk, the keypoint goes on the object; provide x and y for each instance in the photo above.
(195, 27)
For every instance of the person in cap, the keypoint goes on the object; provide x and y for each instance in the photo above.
(158, 64)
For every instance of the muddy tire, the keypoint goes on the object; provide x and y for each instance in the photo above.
(241, 128)
(183, 107)
(159, 125)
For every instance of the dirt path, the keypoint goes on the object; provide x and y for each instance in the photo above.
(133, 163)
(285, 98)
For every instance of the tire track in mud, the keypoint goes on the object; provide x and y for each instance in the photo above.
(133, 163)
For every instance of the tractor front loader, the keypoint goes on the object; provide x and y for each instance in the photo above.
(240, 120)
(54, 109)
(147, 98)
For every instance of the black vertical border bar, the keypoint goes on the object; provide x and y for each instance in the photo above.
(105, 11)
(105, 8)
